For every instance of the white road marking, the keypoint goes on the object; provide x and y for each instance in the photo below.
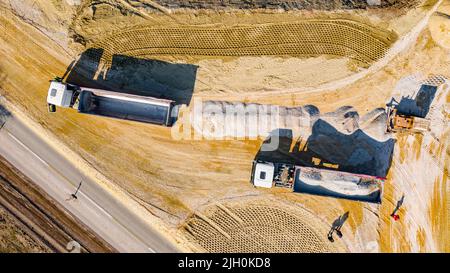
(97, 205)
(45, 163)
(28, 149)
(55, 171)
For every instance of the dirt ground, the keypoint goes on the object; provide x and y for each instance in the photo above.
(13, 238)
(281, 4)
(173, 178)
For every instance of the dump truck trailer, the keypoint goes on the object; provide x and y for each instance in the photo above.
(309, 180)
(397, 122)
(110, 104)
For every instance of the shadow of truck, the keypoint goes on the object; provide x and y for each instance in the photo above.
(135, 76)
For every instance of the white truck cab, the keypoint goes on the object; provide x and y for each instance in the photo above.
(263, 175)
(59, 95)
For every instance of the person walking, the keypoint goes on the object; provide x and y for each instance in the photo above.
(394, 214)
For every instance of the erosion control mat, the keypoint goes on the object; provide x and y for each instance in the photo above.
(258, 227)
(343, 38)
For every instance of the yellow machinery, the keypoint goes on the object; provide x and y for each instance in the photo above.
(398, 122)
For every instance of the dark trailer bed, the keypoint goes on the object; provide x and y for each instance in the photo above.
(124, 106)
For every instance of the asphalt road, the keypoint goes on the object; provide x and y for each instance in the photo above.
(95, 207)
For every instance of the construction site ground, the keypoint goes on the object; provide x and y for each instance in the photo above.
(184, 183)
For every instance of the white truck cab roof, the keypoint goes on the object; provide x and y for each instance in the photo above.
(263, 175)
(59, 95)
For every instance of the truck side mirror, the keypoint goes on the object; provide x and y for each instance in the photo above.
(51, 108)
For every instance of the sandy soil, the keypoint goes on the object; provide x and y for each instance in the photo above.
(158, 170)
(280, 4)
(439, 26)
(13, 238)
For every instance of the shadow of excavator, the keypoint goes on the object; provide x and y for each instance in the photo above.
(328, 148)
(417, 105)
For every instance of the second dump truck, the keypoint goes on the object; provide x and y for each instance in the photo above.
(110, 104)
(301, 179)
